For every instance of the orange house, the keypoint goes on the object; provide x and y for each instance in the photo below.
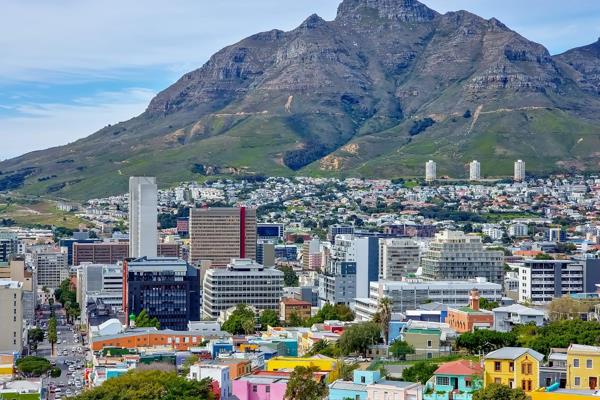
(467, 319)
(148, 337)
(236, 366)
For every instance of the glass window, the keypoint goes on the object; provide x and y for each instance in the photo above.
(497, 366)
(589, 363)
(577, 381)
(576, 362)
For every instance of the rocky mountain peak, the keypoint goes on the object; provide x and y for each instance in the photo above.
(312, 22)
(396, 10)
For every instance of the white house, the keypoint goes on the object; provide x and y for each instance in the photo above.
(505, 318)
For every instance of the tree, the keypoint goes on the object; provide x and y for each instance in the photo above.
(558, 334)
(495, 391)
(52, 334)
(400, 349)
(235, 322)
(420, 372)
(324, 348)
(345, 371)
(384, 309)
(567, 307)
(34, 336)
(249, 326)
(55, 372)
(483, 341)
(295, 320)
(303, 386)
(150, 385)
(358, 338)
(269, 318)
(33, 366)
(339, 312)
(543, 256)
(143, 320)
(486, 304)
(290, 278)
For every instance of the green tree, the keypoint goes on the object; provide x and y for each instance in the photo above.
(34, 336)
(290, 278)
(325, 348)
(329, 312)
(482, 341)
(249, 326)
(345, 371)
(33, 366)
(295, 320)
(235, 322)
(269, 318)
(384, 309)
(52, 334)
(150, 385)
(486, 304)
(55, 372)
(543, 256)
(420, 372)
(558, 334)
(143, 320)
(302, 385)
(191, 360)
(358, 338)
(400, 349)
(495, 391)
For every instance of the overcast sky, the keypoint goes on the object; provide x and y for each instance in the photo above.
(70, 67)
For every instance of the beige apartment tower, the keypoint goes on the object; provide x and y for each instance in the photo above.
(11, 315)
(220, 234)
(398, 258)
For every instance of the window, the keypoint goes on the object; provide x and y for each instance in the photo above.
(498, 381)
(429, 344)
(526, 368)
(589, 364)
(268, 389)
(524, 384)
(577, 381)
(548, 382)
(443, 380)
(511, 383)
(497, 366)
(529, 385)
(576, 362)
(468, 383)
(511, 367)
(363, 379)
(254, 388)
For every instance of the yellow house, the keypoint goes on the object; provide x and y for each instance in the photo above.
(583, 367)
(515, 367)
(563, 394)
(324, 364)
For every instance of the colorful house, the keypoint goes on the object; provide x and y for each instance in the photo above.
(467, 319)
(355, 390)
(455, 380)
(324, 364)
(265, 385)
(395, 390)
(583, 367)
(515, 367)
(564, 394)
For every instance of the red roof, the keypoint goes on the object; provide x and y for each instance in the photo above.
(460, 367)
(288, 301)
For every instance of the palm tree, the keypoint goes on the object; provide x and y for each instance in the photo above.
(384, 309)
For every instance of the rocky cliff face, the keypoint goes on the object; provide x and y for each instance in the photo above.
(342, 97)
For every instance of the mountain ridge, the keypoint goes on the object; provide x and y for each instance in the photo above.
(375, 92)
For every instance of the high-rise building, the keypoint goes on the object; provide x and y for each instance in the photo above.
(270, 231)
(475, 170)
(51, 267)
(242, 281)
(286, 252)
(265, 252)
(20, 272)
(312, 256)
(112, 253)
(398, 258)
(99, 281)
(8, 245)
(143, 215)
(11, 315)
(453, 255)
(430, 171)
(519, 170)
(166, 288)
(541, 281)
(337, 284)
(335, 230)
(220, 234)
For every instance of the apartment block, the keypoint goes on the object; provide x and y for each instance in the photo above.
(11, 315)
(51, 266)
(398, 258)
(540, 281)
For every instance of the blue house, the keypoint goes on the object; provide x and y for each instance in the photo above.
(357, 389)
(456, 380)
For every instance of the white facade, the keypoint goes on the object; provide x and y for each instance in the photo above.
(51, 267)
(143, 215)
(541, 281)
(475, 170)
(518, 230)
(99, 281)
(430, 171)
(398, 258)
(519, 170)
(505, 318)
(219, 373)
(11, 315)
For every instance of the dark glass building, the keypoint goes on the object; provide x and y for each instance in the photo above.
(168, 288)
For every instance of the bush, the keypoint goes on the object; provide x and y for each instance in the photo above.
(55, 372)
(420, 126)
(33, 366)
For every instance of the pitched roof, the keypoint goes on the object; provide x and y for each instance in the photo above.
(512, 353)
(580, 348)
(519, 309)
(460, 367)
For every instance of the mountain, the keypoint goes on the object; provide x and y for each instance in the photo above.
(376, 92)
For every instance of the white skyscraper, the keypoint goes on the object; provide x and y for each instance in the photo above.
(430, 171)
(475, 170)
(143, 203)
(520, 170)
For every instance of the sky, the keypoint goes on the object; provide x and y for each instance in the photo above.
(70, 67)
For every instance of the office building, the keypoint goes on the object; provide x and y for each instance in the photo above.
(337, 284)
(519, 171)
(286, 252)
(8, 245)
(411, 294)
(398, 258)
(269, 231)
(312, 257)
(556, 235)
(220, 234)
(409, 229)
(78, 237)
(166, 287)
(518, 230)
(474, 170)
(335, 230)
(453, 255)
(265, 252)
(541, 281)
(99, 282)
(51, 267)
(143, 216)
(11, 315)
(242, 281)
(430, 171)
(112, 253)
(18, 271)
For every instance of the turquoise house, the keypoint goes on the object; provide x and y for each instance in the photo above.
(456, 380)
(355, 390)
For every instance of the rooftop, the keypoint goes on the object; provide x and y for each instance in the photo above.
(460, 367)
(519, 309)
(512, 353)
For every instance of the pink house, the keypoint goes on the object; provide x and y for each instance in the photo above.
(261, 386)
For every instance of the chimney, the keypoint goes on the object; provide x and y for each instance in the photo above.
(474, 300)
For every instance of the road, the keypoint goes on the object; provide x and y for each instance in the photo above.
(71, 355)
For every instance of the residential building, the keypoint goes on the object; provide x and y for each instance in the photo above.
(8, 245)
(355, 390)
(583, 367)
(242, 281)
(20, 272)
(519, 175)
(337, 229)
(540, 281)
(515, 367)
(220, 234)
(312, 257)
(471, 317)
(398, 258)
(51, 267)
(337, 284)
(323, 363)
(302, 309)
(396, 390)
(430, 171)
(410, 229)
(167, 288)
(183, 226)
(506, 318)
(216, 372)
(265, 252)
(269, 231)
(261, 386)
(556, 235)
(453, 255)
(474, 170)
(455, 380)
(410, 294)
(114, 252)
(143, 215)
(427, 341)
(555, 370)
(11, 315)
(518, 230)
(99, 282)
